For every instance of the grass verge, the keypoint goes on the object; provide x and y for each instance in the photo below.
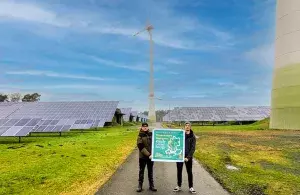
(75, 163)
(268, 161)
(259, 125)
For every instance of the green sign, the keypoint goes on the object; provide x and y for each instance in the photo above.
(168, 145)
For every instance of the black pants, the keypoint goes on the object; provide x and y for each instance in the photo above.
(189, 169)
(142, 165)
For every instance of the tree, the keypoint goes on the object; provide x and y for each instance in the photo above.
(15, 97)
(35, 97)
(3, 97)
(159, 114)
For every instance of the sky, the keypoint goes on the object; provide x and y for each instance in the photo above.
(206, 52)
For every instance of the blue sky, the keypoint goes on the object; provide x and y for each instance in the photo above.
(206, 52)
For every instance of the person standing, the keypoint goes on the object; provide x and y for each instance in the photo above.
(190, 144)
(144, 144)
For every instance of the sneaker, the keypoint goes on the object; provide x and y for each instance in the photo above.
(192, 190)
(177, 189)
(139, 188)
(152, 188)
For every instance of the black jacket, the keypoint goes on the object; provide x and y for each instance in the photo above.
(144, 143)
(190, 145)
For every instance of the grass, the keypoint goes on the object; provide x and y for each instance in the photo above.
(260, 125)
(269, 161)
(75, 163)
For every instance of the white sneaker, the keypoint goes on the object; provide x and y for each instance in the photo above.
(177, 189)
(192, 190)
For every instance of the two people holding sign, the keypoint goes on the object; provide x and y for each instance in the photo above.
(172, 146)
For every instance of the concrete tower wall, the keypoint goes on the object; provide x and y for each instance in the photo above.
(285, 112)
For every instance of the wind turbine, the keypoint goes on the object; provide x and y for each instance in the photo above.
(152, 114)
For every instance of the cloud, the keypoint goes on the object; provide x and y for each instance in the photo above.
(111, 90)
(263, 55)
(233, 86)
(107, 87)
(189, 96)
(173, 73)
(54, 74)
(174, 61)
(111, 21)
(29, 12)
(119, 65)
(70, 92)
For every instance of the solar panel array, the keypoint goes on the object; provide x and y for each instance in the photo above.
(218, 114)
(143, 117)
(127, 112)
(134, 114)
(19, 119)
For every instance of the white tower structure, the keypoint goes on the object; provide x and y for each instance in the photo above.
(285, 112)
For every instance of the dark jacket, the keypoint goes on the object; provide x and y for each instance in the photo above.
(190, 145)
(144, 143)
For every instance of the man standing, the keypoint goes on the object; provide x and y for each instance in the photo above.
(144, 143)
(190, 144)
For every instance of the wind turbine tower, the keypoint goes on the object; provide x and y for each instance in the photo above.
(286, 75)
(152, 114)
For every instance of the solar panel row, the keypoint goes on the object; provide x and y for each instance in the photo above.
(67, 110)
(127, 113)
(19, 119)
(218, 114)
(143, 118)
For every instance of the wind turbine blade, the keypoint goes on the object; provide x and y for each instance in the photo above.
(139, 32)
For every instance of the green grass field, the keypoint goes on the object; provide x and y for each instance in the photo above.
(76, 163)
(268, 161)
(260, 125)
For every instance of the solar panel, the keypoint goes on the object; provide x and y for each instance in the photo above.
(24, 131)
(134, 113)
(101, 123)
(22, 122)
(57, 128)
(67, 110)
(21, 118)
(66, 128)
(3, 121)
(7, 108)
(127, 112)
(218, 113)
(17, 127)
(11, 122)
(3, 129)
(12, 131)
